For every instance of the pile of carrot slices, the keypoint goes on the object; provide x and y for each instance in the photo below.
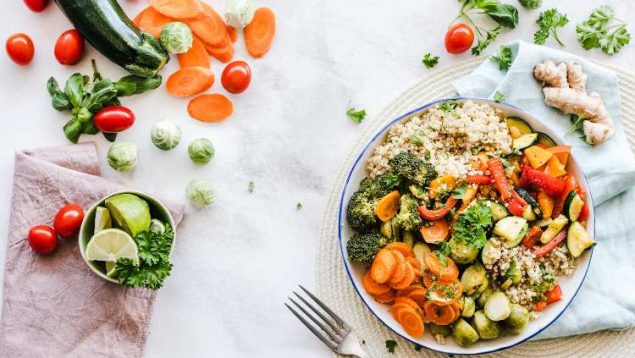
(211, 37)
(418, 296)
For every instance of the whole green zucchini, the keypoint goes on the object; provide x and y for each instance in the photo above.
(105, 26)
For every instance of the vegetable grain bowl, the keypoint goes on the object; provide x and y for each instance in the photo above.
(466, 226)
(127, 238)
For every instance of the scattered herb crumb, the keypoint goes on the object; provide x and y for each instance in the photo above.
(355, 115)
(363, 341)
(442, 252)
(503, 58)
(250, 187)
(299, 206)
(490, 37)
(604, 31)
(499, 97)
(430, 61)
(548, 22)
(418, 347)
(448, 106)
(416, 140)
(391, 345)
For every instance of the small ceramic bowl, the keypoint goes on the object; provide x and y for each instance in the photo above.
(86, 232)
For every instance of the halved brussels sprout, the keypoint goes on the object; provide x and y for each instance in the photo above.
(461, 252)
(480, 301)
(469, 306)
(464, 334)
(442, 330)
(497, 307)
(474, 279)
(485, 327)
(490, 252)
(517, 320)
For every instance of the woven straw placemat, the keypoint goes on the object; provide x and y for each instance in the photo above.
(333, 284)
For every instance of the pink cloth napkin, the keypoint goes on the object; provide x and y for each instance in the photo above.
(55, 306)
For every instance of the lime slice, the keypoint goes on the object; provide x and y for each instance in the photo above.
(102, 219)
(110, 245)
(157, 226)
(111, 270)
(130, 212)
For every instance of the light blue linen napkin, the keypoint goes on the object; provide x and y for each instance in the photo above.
(607, 297)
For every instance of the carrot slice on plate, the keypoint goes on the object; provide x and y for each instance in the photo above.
(446, 270)
(400, 268)
(223, 54)
(178, 9)
(260, 32)
(189, 81)
(383, 266)
(405, 250)
(407, 301)
(152, 21)
(196, 56)
(387, 297)
(210, 108)
(372, 287)
(387, 206)
(439, 314)
(411, 321)
(233, 34)
(418, 295)
(210, 28)
(436, 232)
(408, 279)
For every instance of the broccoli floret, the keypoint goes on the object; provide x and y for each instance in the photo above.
(412, 168)
(362, 248)
(408, 218)
(380, 185)
(361, 212)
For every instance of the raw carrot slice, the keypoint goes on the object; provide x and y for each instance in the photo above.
(387, 297)
(446, 271)
(260, 32)
(383, 266)
(152, 21)
(405, 250)
(178, 9)
(233, 34)
(407, 301)
(436, 232)
(439, 314)
(400, 269)
(189, 81)
(418, 295)
(210, 107)
(387, 206)
(374, 288)
(210, 28)
(223, 54)
(196, 56)
(408, 279)
(411, 321)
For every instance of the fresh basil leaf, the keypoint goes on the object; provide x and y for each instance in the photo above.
(111, 137)
(58, 99)
(103, 91)
(74, 89)
(125, 89)
(133, 84)
(504, 14)
(89, 128)
(73, 129)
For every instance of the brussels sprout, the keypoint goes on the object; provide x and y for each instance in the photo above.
(497, 307)
(485, 327)
(530, 4)
(442, 330)
(165, 135)
(200, 192)
(201, 151)
(484, 296)
(461, 252)
(490, 252)
(239, 13)
(176, 37)
(464, 334)
(468, 307)
(517, 320)
(474, 279)
(122, 156)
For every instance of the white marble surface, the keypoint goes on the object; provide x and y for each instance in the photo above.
(236, 262)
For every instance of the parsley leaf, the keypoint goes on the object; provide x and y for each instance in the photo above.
(391, 345)
(576, 125)
(484, 42)
(511, 269)
(448, 106)
(602, 30)
(299, 206)
(430, 61)
(499, 97)
(356, 115)
(503, 58)
(154, 261)
(471, 226)
(442, 252)
(459, 192)
(548, 22)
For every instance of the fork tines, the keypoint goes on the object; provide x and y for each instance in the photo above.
(332, 329)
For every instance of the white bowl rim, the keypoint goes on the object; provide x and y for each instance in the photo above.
(341, 208)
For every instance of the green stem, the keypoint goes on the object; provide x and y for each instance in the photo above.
(555, 36)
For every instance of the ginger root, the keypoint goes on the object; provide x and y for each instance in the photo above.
(564, 87)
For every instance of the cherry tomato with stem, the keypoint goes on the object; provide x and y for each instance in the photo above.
(43, 239)
(459, 38)
(20, 48)
(69, 47)
(114, 119)
(68, 220)
(36, 5)
(236, 77)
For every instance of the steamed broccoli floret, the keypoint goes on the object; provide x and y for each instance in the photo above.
(361, 212)
(408, 217)
(412, 168)
(380, 185)
(362, 248)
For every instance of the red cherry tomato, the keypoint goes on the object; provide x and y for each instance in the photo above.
(68, 220)
(20, 49)
(69, 47)
(236, 77)
(42, 239)
(114, 119)
(459, 38)
(36, 5)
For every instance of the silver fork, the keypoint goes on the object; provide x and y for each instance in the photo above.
(336, 333)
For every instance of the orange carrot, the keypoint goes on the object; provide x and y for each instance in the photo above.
(411, 321)
(189, 81)
(546, 204)
(149, 20)
(409, 301)
(387, 206)
(233, 34)
(395, 308)
(439, 314)
(414, 262)
(387, 297)
(400, 269)
(407, 280)
(405, 250)
(374, 288)
(444, 292)
(444, 271)
(561, 152)
(260, 32)
(435, 233)
(418, 295)
(223, 54)
(178, 9)
(383, 266)
(210, 107)
(210, 28)
(196, 56)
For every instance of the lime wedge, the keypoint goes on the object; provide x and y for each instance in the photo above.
(102, 219)
(111, 270)
(157, 226)
(130, 212)
(110, 245)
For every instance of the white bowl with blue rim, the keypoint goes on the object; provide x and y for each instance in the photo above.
(569, 284)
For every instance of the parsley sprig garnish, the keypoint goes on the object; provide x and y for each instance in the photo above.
(430, 61)
(391, 345)
(154, 261)
(471, 227)
(548, 22)
(503, 58)
(356, 115)
(602, 30)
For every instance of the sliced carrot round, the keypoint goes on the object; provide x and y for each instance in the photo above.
(189, 81)
(387, 206)
(373, 287)
(436, 232)
(406, 300)
(411, 321)
(400, 269)
(418, 295)
(439, 314)
(152, 21)
(260, 32)
(447, 271)
(210, 107)
(178, 9)
(223, 54)
(210, 27)
(196, 56)
(387, 297)
(408, 279)
(383, 266)
(405, 250)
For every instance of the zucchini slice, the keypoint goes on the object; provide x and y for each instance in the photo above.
(546, 140)
(497, 307)
(573, 205)
(528, 213)
(578, 239)
(512, 230)
(554, 228)
(498, 210)
(519, 124)
(530, 200)
(524, 141)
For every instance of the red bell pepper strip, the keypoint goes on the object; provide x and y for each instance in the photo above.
(570, 183)
(480, 179)
(532, 177)
(540, 305)
(554, 295)
(531, 239)
(495, 166)
(545, 249)
(437, 214)
(584, 214)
